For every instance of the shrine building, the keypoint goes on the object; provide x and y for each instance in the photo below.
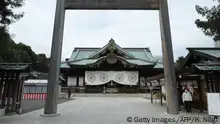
(110, 69)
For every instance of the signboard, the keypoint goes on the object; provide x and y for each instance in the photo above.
(112, 4)
(213, 104)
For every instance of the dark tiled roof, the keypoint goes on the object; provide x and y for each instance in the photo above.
(208, 67)
(14, 66)
(214, 52)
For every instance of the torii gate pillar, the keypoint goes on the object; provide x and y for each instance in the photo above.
(168, 61)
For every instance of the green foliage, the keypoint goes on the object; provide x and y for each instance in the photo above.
(180, 61)
(4, 38)
(10, 51)
(210, 25)
(7, 15)
(21, 53)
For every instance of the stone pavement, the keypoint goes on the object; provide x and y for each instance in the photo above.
(102, 110)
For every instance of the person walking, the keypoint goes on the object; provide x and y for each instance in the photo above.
(187, 99)
(69, 92)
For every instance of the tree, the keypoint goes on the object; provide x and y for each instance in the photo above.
(210, 25)
(21, 53)
(180, 61)
(7, 17)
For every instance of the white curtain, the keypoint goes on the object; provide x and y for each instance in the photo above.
(80, 81)
(71, 81)
(142, 81)
(103, 77)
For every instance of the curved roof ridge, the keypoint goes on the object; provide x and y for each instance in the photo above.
(110, 44)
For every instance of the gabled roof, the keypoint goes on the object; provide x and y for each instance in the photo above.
(211, 53)
(208, 66)
(80, 53)
(88, 56)
(111, 46)
(207, 52)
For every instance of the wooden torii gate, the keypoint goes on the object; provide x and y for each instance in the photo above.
(56, 49)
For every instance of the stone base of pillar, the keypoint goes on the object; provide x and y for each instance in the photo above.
(50, 115)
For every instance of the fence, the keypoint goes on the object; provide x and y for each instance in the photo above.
(34, 90)
(34, 96)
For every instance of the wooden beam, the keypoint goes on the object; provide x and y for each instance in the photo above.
(189, 77)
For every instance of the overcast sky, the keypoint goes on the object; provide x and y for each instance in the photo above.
(95, 28)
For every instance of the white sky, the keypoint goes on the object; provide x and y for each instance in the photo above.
(95, 28)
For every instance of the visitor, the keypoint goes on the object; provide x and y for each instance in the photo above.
(69, 92)
(187, 99)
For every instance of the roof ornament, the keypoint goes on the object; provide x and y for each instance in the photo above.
(112, 40)
(112, 46)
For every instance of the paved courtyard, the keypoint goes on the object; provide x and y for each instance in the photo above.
(103, 110)
(31, 105)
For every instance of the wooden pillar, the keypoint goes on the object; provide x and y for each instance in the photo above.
(55, 57)
(179, 92)
(200, 94)
(216, 82)
(20, 89)
(5, 89)
(207, 83)
(15, 90)
(139, 84)
(161, 94)
(67, 80)
(77, 81)
(151, 95)
(1, 84)
(145, 85)
(211, 83)
(10, 90)
(168, 61)
(85, 88)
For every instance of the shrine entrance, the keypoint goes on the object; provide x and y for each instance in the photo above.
(62, 5)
